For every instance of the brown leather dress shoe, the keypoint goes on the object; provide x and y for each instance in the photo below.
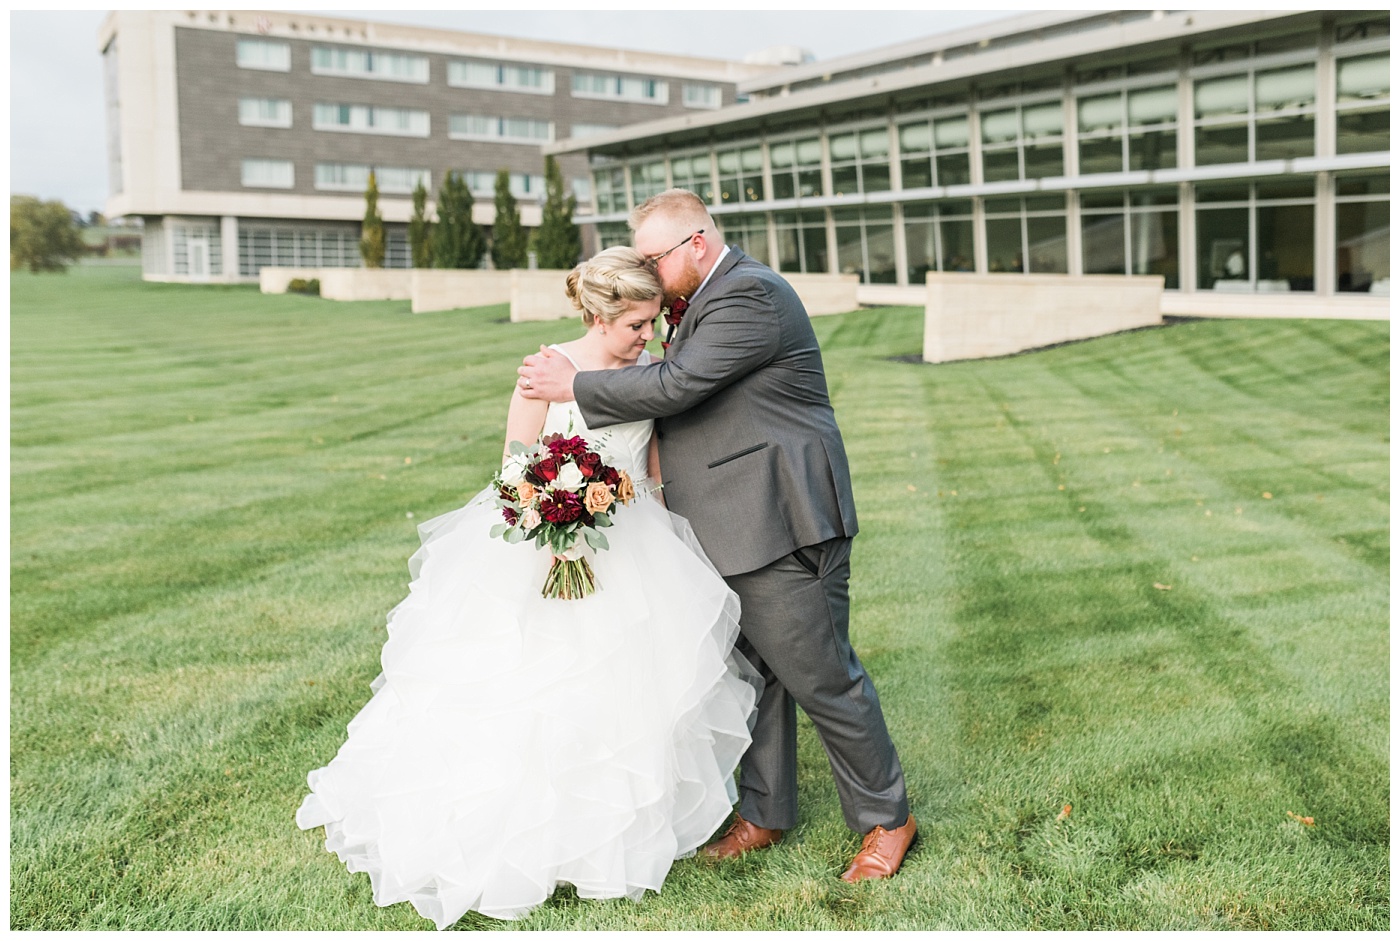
(881, 853)
(741, 837)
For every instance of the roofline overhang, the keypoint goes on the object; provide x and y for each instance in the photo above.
(1172, 27)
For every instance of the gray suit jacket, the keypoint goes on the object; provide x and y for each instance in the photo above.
(750, 451)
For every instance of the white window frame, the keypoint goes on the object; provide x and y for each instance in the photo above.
(365, 119)
(500, 134)
(283, 118)
(379, 172)
(617, 82)
(369, 71)
(265, 163)
(457, 77)
(265, 46)
(697, 95)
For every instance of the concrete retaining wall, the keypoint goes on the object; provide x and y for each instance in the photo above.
(275, 280)
(366, 284)
(451, 289)
(539, 295)
(970, 316)
(824, 294)
(1295, 304)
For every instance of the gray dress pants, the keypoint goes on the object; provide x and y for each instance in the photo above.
(793, 628)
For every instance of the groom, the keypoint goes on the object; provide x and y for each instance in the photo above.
(751, 455)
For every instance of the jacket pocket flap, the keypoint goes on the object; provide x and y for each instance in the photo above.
(737, 454)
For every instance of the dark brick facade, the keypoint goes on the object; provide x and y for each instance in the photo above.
(213, 144)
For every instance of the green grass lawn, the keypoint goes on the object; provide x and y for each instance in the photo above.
(1143, 576)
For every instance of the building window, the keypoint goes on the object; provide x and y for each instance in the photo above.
(1026, 234)
(265, 112)
(613, 233)
(364, 63)
(371, 119)
(264, 54)
(1024, 142)
(740, 174)
(934, 153)
(865, 243)
(700, 96)
(860, 161)
(274, 174)
(523, 78)
(622, 87)
(263, 245)
(196, 250)
(482, 183)
(489, 127)
(1363, 104)
(610, 183)
(1255, 237)
(1363, 233)
(1130, 232)
(397, 252)
(587, 130)
(749, 231)
(1133, 129)
(801, 241)
(582, 188)
(1265, 114)
(797, 167)
(692, 172)
(938, 237)
(648, 179)
(354, 177)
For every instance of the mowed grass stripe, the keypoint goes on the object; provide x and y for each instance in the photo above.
(198, 607)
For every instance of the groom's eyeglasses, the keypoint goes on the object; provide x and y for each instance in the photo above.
(654, 261)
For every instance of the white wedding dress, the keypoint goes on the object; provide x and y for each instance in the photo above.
(514, 743)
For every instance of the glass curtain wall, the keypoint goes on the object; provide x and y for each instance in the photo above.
(692, 172)
(1363, 233)
(1363, 104)
(934, 152)
(741, 175)
(1026, 227)
(801, 240)
(860, 161)
(1023, 142)
(865, 243)
(1252, 112)
(749, 231)
(648, 179)
(1131, 232)
(797, 167)
(1255, 237)
(938, 237)
(1129, 129)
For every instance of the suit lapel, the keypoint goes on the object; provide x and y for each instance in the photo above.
(712, 290)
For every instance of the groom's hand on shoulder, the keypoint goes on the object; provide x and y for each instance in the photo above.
(547, 375)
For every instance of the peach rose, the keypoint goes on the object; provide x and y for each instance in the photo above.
(626, 491)
(598, 498)
(525, 490)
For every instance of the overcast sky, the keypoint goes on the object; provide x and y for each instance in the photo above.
(57, 145)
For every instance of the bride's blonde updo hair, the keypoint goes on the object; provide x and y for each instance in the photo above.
(604, 286)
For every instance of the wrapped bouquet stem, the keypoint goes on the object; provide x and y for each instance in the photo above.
(560, 494)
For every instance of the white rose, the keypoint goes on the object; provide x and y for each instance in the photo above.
(570, 478)
(513, 471)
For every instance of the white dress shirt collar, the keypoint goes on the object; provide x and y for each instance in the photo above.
(718, 261)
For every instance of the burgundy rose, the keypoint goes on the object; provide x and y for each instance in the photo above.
(559, 446)
(544, 471)
(589, 464)
(676, 311)
(610, 476)
(561, 507)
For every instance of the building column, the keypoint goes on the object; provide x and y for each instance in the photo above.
(1185, 159)
(228, 241)
(979, 213)
(1074, 234)
(901, 247)
(1325, 145)
(1186, 236)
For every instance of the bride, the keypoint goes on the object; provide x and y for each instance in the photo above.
(514, 743)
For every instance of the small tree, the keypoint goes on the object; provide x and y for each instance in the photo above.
(509, 240)
(43, 236)
(420, 230)
(458, 241)
(557, 243)
(372, 229)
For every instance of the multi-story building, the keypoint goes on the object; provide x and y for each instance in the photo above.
(245, 138)
(1244, 152)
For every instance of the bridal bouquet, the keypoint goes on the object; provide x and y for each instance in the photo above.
(557, 493)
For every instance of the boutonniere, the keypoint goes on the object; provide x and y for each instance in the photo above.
(673, 314)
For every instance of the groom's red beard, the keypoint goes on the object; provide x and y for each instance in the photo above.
(684, 284)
